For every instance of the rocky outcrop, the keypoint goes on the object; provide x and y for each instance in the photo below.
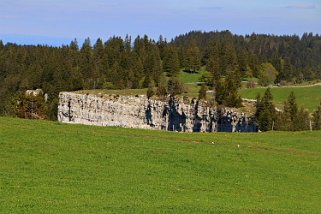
(173, 114)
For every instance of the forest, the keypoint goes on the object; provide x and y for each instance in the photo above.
(126, 63)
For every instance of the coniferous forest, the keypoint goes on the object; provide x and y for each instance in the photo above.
(121, 63)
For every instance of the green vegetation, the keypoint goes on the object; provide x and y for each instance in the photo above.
(171, 61)
(125, 92)
(126, 63)
(56, 168)
(191, 78)
(265, 111)
(307, 97)
(267, 74)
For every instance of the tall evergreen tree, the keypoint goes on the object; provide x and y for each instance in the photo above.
(317, 118)
(171, 61)
(265, 111)
(293, 108)
(192, 57)
(202, 92)
(87, 64)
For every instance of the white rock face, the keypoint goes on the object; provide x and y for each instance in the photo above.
(140, 112)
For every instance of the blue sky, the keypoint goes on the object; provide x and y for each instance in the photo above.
(55, 22)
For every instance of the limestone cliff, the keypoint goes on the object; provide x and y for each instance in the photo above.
(173, 114)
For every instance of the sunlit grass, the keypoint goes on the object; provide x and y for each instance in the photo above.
(47, 167)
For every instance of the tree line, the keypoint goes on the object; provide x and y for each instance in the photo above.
(121, 63)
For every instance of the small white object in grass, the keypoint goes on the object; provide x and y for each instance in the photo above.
(238, 145)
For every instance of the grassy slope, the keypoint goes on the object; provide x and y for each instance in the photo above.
(55, 168)
(308, 97)
(190, 77)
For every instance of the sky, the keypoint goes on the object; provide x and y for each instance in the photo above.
(57, 22)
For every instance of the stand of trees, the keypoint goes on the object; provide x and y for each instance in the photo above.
(291, 118)
(294, 58)
(120, 63)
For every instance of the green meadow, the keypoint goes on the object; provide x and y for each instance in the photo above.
(47, 167)
(307, 97)
(190, 78)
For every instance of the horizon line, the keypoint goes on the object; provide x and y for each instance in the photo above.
(43, 40)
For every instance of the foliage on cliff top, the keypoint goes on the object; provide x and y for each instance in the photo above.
(56, 168)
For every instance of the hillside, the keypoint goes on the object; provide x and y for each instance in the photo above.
(133, 63)
(306, 96)
(56, 168)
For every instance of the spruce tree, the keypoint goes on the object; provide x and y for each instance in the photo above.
(175, 86)
(265, 111)
(302, 120)
(87, 64)
(220, 93)
(292, 106)
(171, 61)
(162, 86)
(202, 92)
(232, 85)
(98, 54)
(317, 119)
(151, 89)
(192, 57)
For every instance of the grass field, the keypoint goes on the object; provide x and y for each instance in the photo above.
(307, 97)
(190, 78)
(48, 167)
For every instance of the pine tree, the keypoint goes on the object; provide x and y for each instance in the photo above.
(192, 57)
(292, 106)
(219, 88)
(175, 86)
(317, 119)
(213, 61)
(87, 64)
(138, 70)
(151, 89)
(265, 111)
(228, 58)
(162, 86)
(283, 119)
(171, 61)
(301, 121)
(153, 65)
(98, 54)
(292, 118)
(242, 62)
(202, 92)
(232, 85)
(162, 45)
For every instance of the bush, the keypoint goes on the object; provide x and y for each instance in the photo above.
(175, 86)
(267, 74)
(202, 92)
(151, 89)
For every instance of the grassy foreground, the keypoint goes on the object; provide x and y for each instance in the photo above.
(48, 167)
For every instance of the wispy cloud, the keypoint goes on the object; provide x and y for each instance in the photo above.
(212, 8)
(301, 6)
